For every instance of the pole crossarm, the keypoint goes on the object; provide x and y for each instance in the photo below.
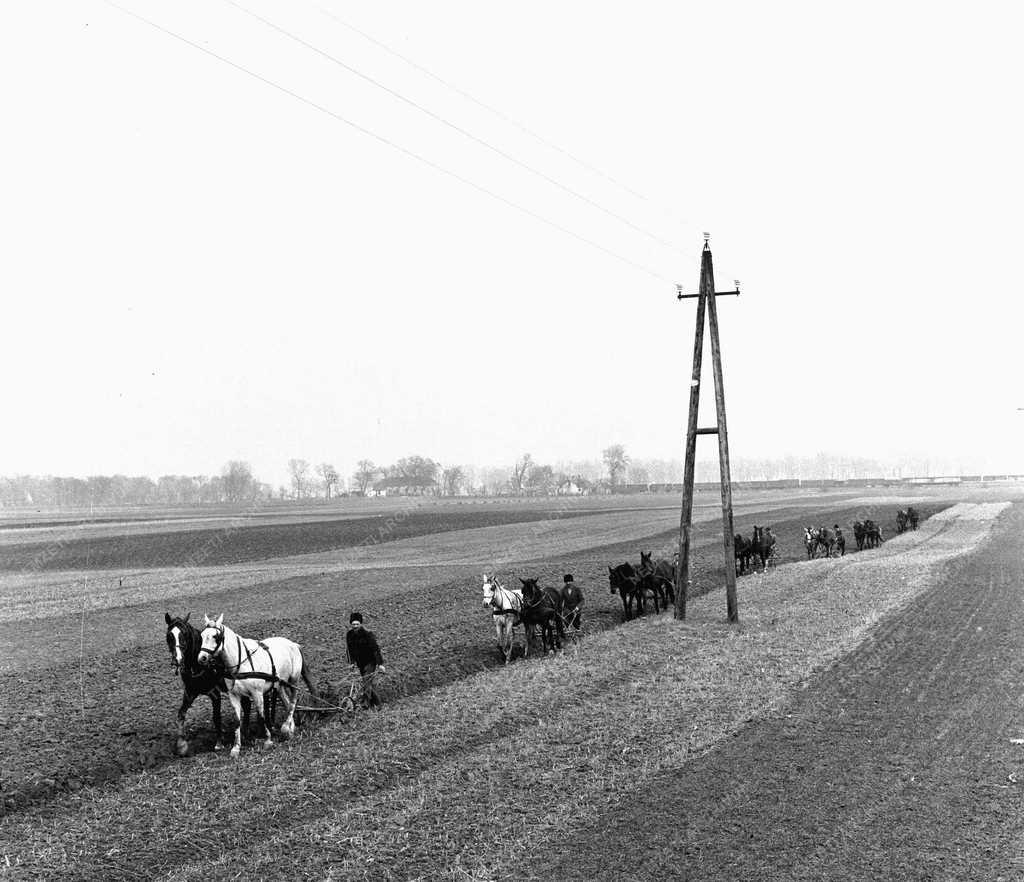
(682, 296)
(706, 298)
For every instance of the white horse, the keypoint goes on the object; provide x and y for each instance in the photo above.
(253, 667)
(506, 605)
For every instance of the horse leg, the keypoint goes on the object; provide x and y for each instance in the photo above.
(289, 695)
(258, 704)
(215, 701)
(181, 747)
(236, 706)
(505, 639)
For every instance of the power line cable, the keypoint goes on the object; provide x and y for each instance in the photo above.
(392, 144)
(504, 116)
(455, 127)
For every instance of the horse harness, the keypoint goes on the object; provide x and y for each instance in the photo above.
(248, 675)
(496, 608)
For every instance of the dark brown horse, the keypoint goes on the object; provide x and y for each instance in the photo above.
(657, 577)
(741, 545)
(542, 607)
(872, 534)
(625, 580)
(762, 546)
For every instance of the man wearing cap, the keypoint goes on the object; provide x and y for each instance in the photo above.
(572, 601)
(364, 652)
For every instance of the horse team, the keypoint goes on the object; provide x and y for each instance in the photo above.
(652, 580)
(215, 661)
(866, 533)
(551, 611)
(906, 519)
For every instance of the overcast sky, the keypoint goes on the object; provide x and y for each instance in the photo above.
(199, 266)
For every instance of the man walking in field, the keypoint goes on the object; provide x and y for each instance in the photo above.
(364, 652)
(840, 540)
(572, 603)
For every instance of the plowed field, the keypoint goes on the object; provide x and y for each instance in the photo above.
(80, 717)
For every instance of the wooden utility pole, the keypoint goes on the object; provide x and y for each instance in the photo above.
(706, 303)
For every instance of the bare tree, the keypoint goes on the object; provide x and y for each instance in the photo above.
(451, 480)
(519, 472)
(615, 461)
(299, 470)
(365, 474)
(328, 477)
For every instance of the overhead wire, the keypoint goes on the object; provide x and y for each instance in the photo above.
(394, 145)
(516, 124)
(454, 126)
(503, 116)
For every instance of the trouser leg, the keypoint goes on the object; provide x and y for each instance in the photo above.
(370, 697)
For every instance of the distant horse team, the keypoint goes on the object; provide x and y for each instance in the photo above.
(758, 549)
(906, 519)
(550, 611)
(653, 580)
(830, 541)
(867, 534)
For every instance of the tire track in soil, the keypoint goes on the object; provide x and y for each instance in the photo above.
(893, 764)
(434, 635)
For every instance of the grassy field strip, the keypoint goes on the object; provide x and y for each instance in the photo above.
(462, 782)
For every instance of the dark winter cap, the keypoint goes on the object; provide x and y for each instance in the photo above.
(355, 617)
(567, 578)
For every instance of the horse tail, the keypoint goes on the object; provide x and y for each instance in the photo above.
(305, 674)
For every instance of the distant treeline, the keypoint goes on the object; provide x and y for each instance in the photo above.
(112, 490)
(616, 472)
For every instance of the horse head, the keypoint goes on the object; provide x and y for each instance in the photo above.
(212, 637)
(645, 561)
(530, 589)
(176, 629)
(624, 575)
(489, 586)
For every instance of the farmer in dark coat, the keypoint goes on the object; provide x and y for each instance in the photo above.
(364, 652)
(572, 603)
(840, 540)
